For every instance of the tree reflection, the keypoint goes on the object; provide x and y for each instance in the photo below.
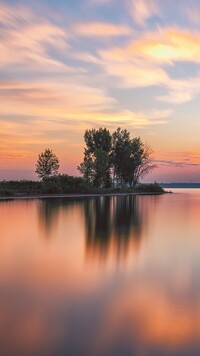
(113, 225)
(50, 210)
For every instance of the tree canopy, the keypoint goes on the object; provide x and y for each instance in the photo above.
(47, 164)
(116, 158)
(96, 165)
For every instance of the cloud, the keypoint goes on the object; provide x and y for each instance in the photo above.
(84, 57)
(134, 70)
(163, 46)
(101, 29)
(178, 160)
(69, 101)
(142, 10)
(13, 16)
(168, 45)
(135, 73)
(142, 63)
(176, 97)
(54, 98)
(28, 47)
(51, 113)
(28, 42)
(180, 164)
(132, 119)
(181, 91)
(193, 14)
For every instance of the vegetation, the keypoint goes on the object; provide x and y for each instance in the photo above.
(112, 164)
(116, 159)
(65, 184)
(47, 164)
(96, 165)
(60, 184)
(131, 159)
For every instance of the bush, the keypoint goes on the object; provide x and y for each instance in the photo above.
(148, 188)
(62, 184)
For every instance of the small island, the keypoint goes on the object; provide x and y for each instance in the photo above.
(112, 164)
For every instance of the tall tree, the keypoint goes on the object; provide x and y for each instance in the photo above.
(96, 165)
(121, 151)
(130, 157)
(47, 164)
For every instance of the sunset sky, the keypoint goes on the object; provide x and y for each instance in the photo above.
(69, 65)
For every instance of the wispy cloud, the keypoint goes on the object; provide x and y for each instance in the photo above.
(101, 29)
(163, 46)
(142, 10)
(168, 45)
(28, 47)
(142, 63)
(181, 91)
(193, 14)
(52, 98)
(15, 16)
(180, 164)
(134, 73)
(179, 160)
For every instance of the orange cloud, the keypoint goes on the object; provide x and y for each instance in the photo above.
(168, 45)
(140, 63)
(164, 46)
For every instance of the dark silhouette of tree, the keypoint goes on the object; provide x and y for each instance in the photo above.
(96, 165)
(47, 164)
(128, 158)
(131, 159)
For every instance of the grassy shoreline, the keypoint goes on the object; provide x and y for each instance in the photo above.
(73, 187)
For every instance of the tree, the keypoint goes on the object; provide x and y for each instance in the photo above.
(128, 158)
(96, 165)
(86, 168)
(47, 164)
(131, 158)
(121, 151)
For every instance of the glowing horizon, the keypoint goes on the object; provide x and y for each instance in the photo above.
(69, 66)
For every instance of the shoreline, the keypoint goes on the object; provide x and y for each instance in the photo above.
(78, 195)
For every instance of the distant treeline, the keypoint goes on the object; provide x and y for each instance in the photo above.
(66, 184)
(180, 185)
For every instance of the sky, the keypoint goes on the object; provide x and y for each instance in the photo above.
(67, 66)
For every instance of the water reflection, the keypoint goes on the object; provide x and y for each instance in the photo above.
(69, 296)
(113, 223)
(51, 210)
(48, 212)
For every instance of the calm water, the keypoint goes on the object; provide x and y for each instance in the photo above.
(101, 276)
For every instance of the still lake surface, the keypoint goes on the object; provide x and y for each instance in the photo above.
(101, 276)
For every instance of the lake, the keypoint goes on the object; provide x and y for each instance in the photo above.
(101, 276)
